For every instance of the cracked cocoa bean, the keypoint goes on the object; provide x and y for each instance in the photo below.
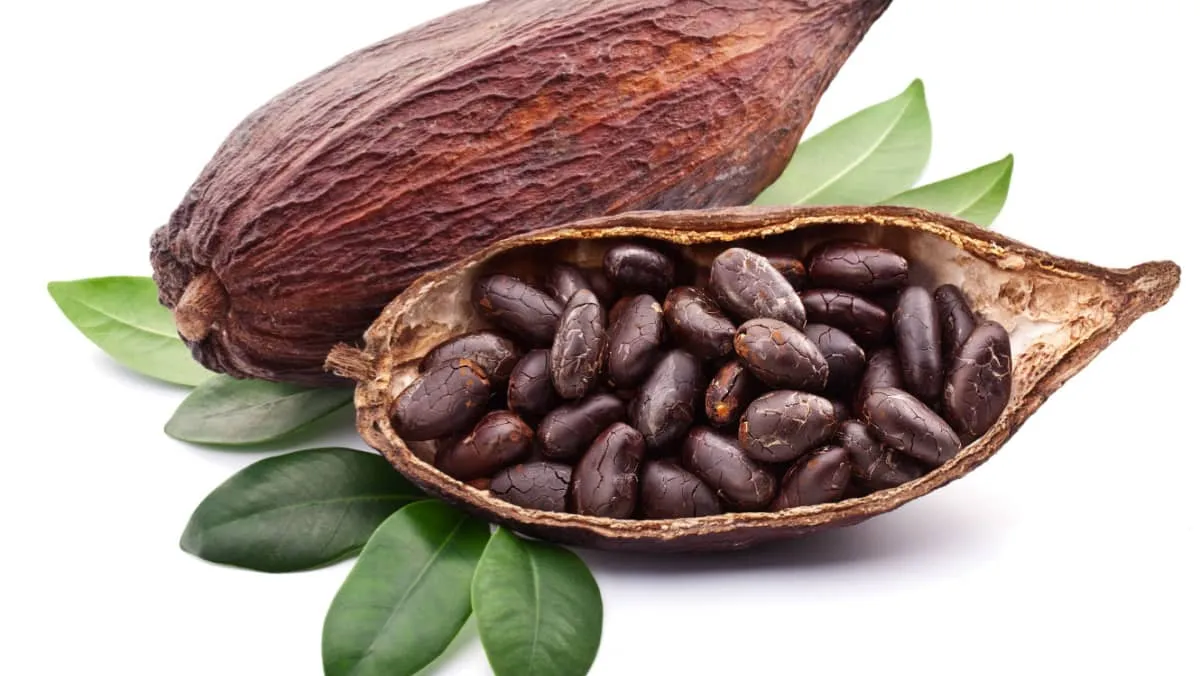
(901, 422)
(883, 370)
(729, 392)
(748, 287)
(780, 355)
(955, 317)
(845, 358)
(636, 268)
(500, 439)
(791, 269)
(567, 431)
(444, 401)
(634, 340)
(979, 382)
(605, 480)
(665, 406)
(518, 308)
(919, 344)
(534, 485)
(818, 477)
(856, 267)
(697, 323)
(563, 280)
(741, 483)
(780, 426)
(874, 467)
(494, 353)
(668, 491)
(577, 355)
(869, 324)
(531, 390)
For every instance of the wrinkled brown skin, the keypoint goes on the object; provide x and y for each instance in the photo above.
(1090, 306)
(497, 119)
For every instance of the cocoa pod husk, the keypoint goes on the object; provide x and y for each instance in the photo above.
(505, 117)
(1059, 312)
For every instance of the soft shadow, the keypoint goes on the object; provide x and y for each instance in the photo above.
(912, 532)
(128, 376)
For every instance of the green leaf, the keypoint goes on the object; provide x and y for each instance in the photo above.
(408, 594)
(866, 157)
(123, 317)
(227, 411)
(297, 511)
(538, 608)
(976, 196)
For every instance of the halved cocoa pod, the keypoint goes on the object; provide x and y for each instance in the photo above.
(1059, 313)
(501, 118)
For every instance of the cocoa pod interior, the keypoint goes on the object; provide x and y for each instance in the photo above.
(504, 117)
(1060, 313)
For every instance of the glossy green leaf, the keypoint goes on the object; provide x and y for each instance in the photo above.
(976, 196)
(228, 411)
(875, 153)
(538, 608)
(408, 594)
(123, 317)
(297, 511)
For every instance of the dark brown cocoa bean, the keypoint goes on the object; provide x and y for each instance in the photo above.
(636, 268)
(874, 466)
(919, 344)
(869, 324)
(780, 426)
(845, 358)
(840, 410)
(818, 477)
(668, 491)
(534, 485)
(856, 267)
(883, 370)
(791, 269)
(428, 450)
(780, 355)
(740, 482)
(665, 405)
(605, 480)
(697, 323)
(518, 307)
(500, 439)
(531, 391)
(901, 422)
(955, 317)
(729, 392)
(636, 335)
(748, 287)
(979, 382)
(580, 345)
(563, 280)
(601, 285)
(566, 432)
(442, 402)
(494, 353)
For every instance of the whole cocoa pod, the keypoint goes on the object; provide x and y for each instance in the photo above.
(499, 118)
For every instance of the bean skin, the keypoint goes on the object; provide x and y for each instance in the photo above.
(634, 341)
(500, 439)
(494, 353)
(531, 390)
(883, 370)
(534, 485)
(874, 466)
(665, 406)
(697, 323)
(956, 318)
(903, 423)
(567, 431)
(635, 268)
(791, 269)
(740, 482)
(580, 345)
(730, 391)
(818, 477)
(605, 481)
(780, 355)
(445, 401)
(563, 280)
(919, 344)
(748, 287)
(780, 426)
(869, 324)
(669, 491)
(856, 267)
(518, 307)
(979, 383)
(845, 358)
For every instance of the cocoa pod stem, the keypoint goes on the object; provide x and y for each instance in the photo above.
(203, 302)
(350, 362)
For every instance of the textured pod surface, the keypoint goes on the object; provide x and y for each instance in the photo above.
(500, 118)
(1060, 313)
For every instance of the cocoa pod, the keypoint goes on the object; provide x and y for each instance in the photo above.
(1060, 314)
(504, 117)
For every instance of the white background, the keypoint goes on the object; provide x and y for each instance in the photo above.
(1073, 550)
